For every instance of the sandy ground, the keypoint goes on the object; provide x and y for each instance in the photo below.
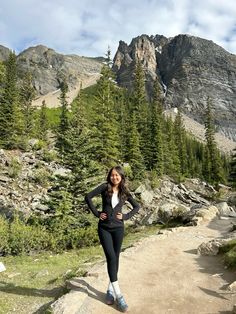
(161, 274)
(52, 99)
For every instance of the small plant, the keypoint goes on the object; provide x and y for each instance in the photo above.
(49, 155)
(39, 144)
(42, 176)
(155, 180)
(4, 235)
(14, 168)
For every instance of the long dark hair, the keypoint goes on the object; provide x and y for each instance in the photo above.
(123, 189)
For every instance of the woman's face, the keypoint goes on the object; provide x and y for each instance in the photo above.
(115, 177)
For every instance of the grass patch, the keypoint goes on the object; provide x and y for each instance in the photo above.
(31, 283)
(229, 252)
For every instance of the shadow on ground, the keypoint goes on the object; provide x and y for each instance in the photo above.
(214, 265)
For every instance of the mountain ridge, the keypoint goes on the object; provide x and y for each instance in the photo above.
(188, 69)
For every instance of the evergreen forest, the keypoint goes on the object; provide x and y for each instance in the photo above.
(104, 126)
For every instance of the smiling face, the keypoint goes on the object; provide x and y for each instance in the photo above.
(115, 178)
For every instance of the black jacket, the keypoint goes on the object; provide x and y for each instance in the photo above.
(111, 220)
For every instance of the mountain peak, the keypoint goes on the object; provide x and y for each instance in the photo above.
(190, 68)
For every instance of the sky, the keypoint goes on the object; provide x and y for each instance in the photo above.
(88, 27)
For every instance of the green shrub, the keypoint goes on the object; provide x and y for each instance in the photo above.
(230, 257)
(228, 246)
(24, 238)
(155, 180)
(82, 237)
(39, 144)
(71, 237)
(42, 176)
(229, 251)
(49, 155)
(4, 235)
(14, 168)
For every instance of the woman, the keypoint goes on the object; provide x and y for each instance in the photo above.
(114, 194)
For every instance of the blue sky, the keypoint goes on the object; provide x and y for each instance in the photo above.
(88, 27)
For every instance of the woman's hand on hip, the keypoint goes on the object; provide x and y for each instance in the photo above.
(119, 216)
(103, 216)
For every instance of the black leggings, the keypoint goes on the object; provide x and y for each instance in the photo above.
(111, 241)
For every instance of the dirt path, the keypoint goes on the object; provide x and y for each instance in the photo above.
(162, 274)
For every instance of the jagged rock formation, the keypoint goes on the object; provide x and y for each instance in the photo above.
(4, 53)
(189, 69)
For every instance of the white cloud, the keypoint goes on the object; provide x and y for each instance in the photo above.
(87, 27)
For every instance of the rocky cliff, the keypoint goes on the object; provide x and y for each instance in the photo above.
(49, 68)
(189, 69)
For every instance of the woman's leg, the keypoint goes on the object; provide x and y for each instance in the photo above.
(117, 236)
(106, 241)
(111, 241)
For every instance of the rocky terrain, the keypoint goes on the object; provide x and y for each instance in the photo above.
(26, 177)
(49, 68)
(189, 69)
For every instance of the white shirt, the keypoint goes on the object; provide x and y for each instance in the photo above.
(114, 199)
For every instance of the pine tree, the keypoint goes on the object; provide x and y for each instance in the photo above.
(43, 122)
(104, 121)
(232, 169)
(156, 131)
(213, 159)
(11, 122)
(171, 156)
(79, 155)
(64, 119)
(180, 136)
(2, 73)
(135, 157)
(140, 110)
(123, 119)
(27, 95)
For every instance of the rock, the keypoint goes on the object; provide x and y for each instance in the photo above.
(225, 209)
(232, 199)
(182, 187)
(232, 287)
(207, 214)
(33, 142)
(4, 53)
(2, 267)
(211, 247)
(140, 189)
(40, 207)
(49, 67)
(63, 172)
(183, 65)
(5, 179)
(169, 211)
(150, 216)
(234, 309)
(147, 197)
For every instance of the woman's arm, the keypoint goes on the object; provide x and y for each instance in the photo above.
(135, 209)
(88, 198)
